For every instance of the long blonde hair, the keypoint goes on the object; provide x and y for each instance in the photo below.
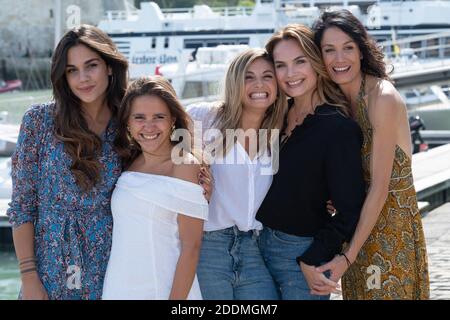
(229, 115)
(327, 90)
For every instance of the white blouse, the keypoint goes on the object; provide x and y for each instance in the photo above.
(146, 244)
(240, 183)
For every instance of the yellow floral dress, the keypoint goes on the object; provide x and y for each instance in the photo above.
(392, 264)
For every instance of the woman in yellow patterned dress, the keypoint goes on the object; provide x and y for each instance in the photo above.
(386, 258)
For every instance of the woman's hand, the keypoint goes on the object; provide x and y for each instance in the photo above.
(318, 282)
(330, 208)
(337, 267)
(205, 179)
(32, 287)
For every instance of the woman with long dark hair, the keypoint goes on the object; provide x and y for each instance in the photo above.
(387, 253)
(65, 168)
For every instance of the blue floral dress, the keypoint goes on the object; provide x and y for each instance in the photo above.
(73, 229)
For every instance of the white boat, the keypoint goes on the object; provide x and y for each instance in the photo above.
(151, 37)
(8, 138)
(200, 79)
(5, 180)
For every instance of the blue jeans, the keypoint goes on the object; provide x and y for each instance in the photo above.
(231, 267)
(279, 250)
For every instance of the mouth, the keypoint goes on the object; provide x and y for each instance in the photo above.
(295, 83)
(259, 95)
(341, 69)
(86, 89)
(149, 136)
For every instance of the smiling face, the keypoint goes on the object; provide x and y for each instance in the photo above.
(341, 56)
(87, 74)
(150, 124)
(260, 85)
(295, 74)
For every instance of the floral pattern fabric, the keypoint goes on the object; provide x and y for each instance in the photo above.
(392, 264)
(73, 229)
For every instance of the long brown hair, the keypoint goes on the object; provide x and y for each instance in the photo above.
(71, 128)
(372, 62)
(147, 86)
(327, 91)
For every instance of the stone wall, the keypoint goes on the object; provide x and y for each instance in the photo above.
(27, 27)
(27, 31)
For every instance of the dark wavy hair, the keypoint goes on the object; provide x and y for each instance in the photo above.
(372, 62)
(147, 86)
(81, 144)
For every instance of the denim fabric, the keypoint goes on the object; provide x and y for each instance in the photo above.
(231, 267)
(279, 250)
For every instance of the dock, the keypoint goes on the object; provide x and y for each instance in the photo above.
(431, 172)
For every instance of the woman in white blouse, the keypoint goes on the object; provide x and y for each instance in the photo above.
(231, 266)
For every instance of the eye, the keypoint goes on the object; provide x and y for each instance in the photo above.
(248, 77)
(348, 48)
(70, 71)
(92, 65)
(300, 61)
(159, 117)
(139, 118)
(268, 76)
(328, 50)
(278, 66)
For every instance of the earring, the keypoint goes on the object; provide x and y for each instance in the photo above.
(130, 138)
(172, 134)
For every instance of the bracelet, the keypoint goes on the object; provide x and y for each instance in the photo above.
(27, 260)
(345, 256)
(28, 270)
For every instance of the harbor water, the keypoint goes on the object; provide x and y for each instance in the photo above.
(12, 108)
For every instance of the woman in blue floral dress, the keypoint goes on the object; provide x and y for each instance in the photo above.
(64, 170)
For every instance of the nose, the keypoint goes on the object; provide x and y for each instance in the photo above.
(149, 124)
(339, 55)
(290, 71)
(259, 82)
(84, 75)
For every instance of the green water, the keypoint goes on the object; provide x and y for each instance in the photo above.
(15, 104)
(9, 276)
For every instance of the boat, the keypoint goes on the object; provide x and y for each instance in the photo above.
(5, 180)
(151, 37)
(199, 79)
(8, 138)
(10, 85)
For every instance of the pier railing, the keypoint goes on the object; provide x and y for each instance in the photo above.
(429, 46)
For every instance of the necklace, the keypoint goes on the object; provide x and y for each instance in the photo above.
(300, 116)
(164, 156)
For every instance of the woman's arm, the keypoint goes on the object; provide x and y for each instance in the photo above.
(22, 212)
(32, 288)
(190, 231)
(385, 117)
